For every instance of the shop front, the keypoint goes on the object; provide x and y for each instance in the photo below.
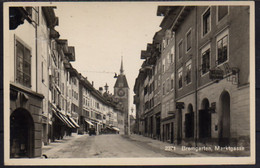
(167, 127)
(25, 122)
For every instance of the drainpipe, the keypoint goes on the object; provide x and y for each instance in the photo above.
(175, 75)
(36, 54)
(196, 80)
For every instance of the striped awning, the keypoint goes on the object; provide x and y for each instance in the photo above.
(74, 122)
(60, 116)
(67, 120)
(90, 123)
(115, 128)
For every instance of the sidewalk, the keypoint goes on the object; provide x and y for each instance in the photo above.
(164, 145)
(186, 153)
(55, 146)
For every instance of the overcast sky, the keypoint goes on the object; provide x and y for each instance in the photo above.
(103, 32)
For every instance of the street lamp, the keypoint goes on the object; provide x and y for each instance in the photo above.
(106, 87)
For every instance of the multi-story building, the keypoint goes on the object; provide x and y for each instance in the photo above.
(84, 106)
(223, 104)
(168, 120)
(25, 100)
(184, 66)
(48, 97)
(29, 83)
(204, 83)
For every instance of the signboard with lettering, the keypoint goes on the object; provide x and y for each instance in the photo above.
(179, 105)
(216, 74)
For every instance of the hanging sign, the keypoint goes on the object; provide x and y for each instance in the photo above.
(216, 74)
(179, 105)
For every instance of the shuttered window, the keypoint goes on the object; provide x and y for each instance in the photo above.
(23, 64)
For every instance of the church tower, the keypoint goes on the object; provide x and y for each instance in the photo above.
(121, 92)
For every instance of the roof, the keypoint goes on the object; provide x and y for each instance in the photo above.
(51, 19)
(121, 79)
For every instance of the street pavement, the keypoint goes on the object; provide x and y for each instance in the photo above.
(114, 145)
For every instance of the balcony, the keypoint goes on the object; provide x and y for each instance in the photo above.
(145, 54)
(71, 53)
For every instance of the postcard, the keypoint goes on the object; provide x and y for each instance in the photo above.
(129, 83)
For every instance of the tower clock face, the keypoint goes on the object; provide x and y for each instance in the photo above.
(121, 92)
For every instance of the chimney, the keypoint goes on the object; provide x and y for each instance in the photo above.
(93, 83)
(100, 90)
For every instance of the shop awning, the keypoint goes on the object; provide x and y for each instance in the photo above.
(67, 120)
(74, 122)
(61, 118)
(90, 123)
(115, 128)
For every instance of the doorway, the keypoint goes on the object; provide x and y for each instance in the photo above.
(158, 126)
(224, 123)
(189, 122)
(205, 120)
(21, 134)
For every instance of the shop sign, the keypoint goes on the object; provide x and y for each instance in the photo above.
(216, 74)
(179, 105)
(212, 109)
(171, 112)
(44, 120)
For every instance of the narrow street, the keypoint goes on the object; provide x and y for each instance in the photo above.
(114, 145)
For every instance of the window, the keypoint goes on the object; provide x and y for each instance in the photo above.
(188, 72)
(188, 41)
(180, 50)
(159, 80)
(222, 12)
(171, 105)
(159, 67)
(168, 85)
(163, 88)
(222, 49)
(167, 107)
(163, 65)
(98, 105)
(163, 44)
(145, 90)
(42, 73)
(172, 54)
(155, 84)
(62, 88)
(172, 80)
(168, 61)
(23, 64)
(205, 61)
(180, 78)
(206, 22)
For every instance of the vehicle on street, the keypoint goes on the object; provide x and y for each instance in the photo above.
(92, 131)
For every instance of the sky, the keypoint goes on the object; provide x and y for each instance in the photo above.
(103, 33)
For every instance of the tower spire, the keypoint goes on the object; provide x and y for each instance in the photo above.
(121, 68)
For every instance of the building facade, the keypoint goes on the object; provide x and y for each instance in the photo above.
(204, 84)
(30, 31)
(49, 99)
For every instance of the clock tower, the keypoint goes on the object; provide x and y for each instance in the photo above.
(121, 92)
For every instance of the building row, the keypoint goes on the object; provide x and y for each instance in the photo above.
(49, 99)
(193, 86)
